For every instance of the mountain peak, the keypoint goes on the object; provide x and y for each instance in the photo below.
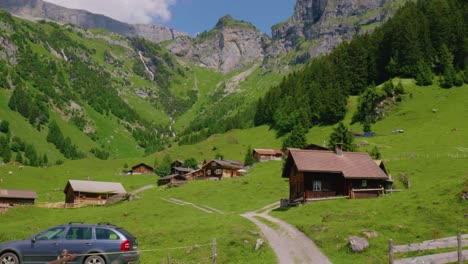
(229, 21)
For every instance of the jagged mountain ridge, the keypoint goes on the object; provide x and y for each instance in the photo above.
(230, 45)
(328, 23)
(324, 23)
(38, 10)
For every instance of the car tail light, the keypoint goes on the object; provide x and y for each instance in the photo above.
(125, 246)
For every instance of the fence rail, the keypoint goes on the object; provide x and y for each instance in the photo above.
(458, 241)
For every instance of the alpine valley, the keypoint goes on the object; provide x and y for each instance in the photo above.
(84, 96)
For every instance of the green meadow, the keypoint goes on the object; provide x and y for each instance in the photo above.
(429, 152)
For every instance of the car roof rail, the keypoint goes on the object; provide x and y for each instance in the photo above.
(70, 223)
(105, 223)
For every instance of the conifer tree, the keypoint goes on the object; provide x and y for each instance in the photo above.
(295, 139)
(375, 153)
(424, 74)
(19, 157)
(341, 135)
(165, 167)
(249, 158)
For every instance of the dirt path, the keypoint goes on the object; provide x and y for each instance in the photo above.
(289, 244)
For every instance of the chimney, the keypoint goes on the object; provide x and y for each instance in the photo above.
(339, 149)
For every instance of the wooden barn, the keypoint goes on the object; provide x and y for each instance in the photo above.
(17, 197)
(222, 168)
(267, 154)
(91, 192)
(319, 174)
(142, 169)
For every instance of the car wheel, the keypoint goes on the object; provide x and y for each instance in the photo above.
(9, 258)
(95, 260)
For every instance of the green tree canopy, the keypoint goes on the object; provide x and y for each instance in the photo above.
(249, 158)
(295, 139)
(341, 135)
(190, 163)
(165, 167)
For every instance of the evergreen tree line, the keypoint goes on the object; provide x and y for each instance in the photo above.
(423, 38)
(32, 106)
(16, 149)
(222, 116)
(64, 145)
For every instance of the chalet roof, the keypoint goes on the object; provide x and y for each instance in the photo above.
(235, 164)
(268, 151)
(350, 164)
(142, 164)
(21, 194)
(95, 187)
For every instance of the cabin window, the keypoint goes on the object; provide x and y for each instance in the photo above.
(364, 183)
(208, 172)
(218, 171)
(317, 186)
(213, 164)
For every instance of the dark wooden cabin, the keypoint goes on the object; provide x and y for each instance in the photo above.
(17, 197)
(222, 168)
(319, 174)
(142, 168)
(91, 192)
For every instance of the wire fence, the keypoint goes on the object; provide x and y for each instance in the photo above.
(66, 256)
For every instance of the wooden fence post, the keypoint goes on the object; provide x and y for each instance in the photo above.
(390, 251)
(460, 253)
(214, 251)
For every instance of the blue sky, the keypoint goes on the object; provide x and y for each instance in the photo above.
(196, 16)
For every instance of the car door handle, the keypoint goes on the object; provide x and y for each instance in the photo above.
(88, 244)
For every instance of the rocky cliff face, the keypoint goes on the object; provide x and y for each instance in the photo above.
(38, 9)
(329, 22)
(230, 45)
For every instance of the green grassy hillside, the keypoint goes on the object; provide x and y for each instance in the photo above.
(430, 152)
(432, 208)
(96, 86)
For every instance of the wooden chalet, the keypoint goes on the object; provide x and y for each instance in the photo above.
(267, 154)
(10, 198)
(222, 168)
(319, 174)
(91, 192)
(195, 175)
(142, 168)
(174, 179)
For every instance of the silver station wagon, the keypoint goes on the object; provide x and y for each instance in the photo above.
(87, 243)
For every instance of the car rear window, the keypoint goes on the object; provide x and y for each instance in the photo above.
(106, 234)
(126, 233)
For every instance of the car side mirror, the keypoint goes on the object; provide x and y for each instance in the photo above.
(33, 239)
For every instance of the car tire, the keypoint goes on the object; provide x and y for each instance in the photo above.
(9, 258)
(94, 260)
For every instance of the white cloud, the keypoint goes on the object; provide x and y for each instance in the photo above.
(130, 11)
